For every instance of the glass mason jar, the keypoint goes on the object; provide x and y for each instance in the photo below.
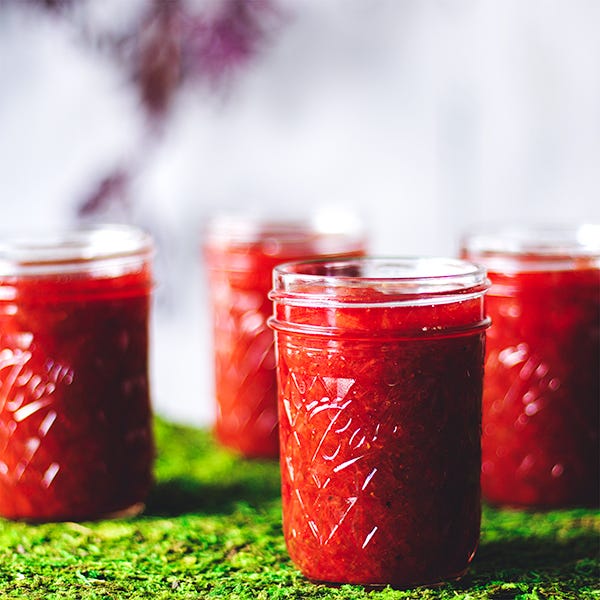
(541, 397)
(75, 420)
(240, 254)
(380, 367)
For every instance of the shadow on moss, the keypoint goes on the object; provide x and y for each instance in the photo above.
(535, 559)
(196, 475)
(182, 495)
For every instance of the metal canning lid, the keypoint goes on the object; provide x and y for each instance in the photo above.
(105, 250)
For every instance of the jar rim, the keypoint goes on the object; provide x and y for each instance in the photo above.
(534, 248)
(73, 250)
(247, 228)
(543, 241)
(396, 281)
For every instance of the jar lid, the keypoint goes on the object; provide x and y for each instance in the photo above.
(111, 249)
(376, 281)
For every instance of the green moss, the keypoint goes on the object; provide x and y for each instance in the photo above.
(212, 530)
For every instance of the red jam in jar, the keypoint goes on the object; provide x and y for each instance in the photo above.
(75, 420)
(541, 398)
(240, 255)
(380, 367)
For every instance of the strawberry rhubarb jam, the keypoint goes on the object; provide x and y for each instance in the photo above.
(75, 422)
(240, 255)
(541, 397)
(380, 366)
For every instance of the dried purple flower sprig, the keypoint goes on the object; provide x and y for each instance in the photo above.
(167, 45)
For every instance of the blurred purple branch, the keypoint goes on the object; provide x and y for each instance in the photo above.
(175, 42)
(110, 193)
(229, 38)
(174, 45)
(171, 43)
(52, 4)
(155, 58)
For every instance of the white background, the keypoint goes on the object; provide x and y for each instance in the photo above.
(425, 116)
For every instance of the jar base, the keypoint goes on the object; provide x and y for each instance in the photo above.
(124, 513)
(395, 586)
(540, 507)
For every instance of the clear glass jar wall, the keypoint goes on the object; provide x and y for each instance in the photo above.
(240, 254)
(380, 367)
(542, 382)
(75, 419)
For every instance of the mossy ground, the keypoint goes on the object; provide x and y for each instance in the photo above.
(212, 530)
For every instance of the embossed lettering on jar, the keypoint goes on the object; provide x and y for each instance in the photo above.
(380, 366)
(542, 376)
(75, 420)
(240, 254)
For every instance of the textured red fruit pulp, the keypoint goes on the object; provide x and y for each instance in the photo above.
(542, 389)
(380, 438)
(75, 423)
(240, 277)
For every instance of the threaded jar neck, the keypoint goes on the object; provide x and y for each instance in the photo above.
(536, 248)
(380, 297)
(100, 250)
